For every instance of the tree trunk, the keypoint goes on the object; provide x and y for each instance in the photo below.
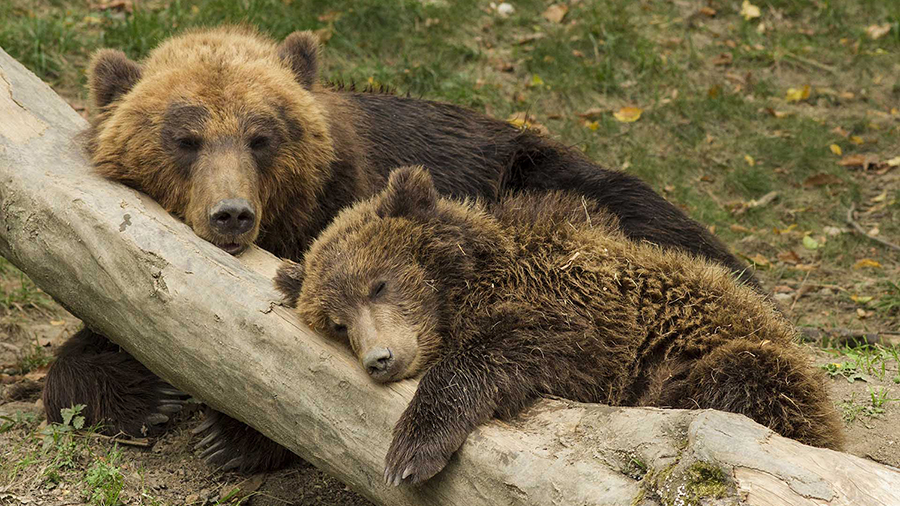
(212, 325)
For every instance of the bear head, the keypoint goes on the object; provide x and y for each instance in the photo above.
(219, 126)
(383, 275)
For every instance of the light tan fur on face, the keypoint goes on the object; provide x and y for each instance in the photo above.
(232, 73)
(383, 326)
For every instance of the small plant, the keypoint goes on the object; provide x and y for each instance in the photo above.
(17, 420)
(37, 358)
(104, 480)
(889, 303)
(59, 437)
(844, 370)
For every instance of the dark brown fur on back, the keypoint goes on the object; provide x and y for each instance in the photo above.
(541, 294)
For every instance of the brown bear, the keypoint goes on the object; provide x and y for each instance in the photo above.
(232, 132)
(500, 303)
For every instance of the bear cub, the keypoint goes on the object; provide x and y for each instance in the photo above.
(501, 303)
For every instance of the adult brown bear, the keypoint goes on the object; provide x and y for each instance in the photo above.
(232, 133)
(536, 295)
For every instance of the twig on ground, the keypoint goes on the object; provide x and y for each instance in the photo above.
(840, 336)
(859, 230)
(812, 63)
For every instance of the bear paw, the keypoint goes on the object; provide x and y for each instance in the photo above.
(410, 462)
(229, 444)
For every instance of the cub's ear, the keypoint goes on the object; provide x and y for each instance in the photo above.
(301, 51)
(289, 280)
(410, 192)
(111, 75)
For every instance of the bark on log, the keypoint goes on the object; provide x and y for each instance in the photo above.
(212, 325)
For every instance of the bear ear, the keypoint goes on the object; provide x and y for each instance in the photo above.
(112, 75)
(301, 51)
(289, 281)
(410, 192)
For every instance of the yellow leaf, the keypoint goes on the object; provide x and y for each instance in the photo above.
(797, 94)
(749, 11)
(855, 139)
(555, 13)
(593, 125)
(867, 262)
(628, 114)
(876, 32)
(880, 197)
(860, 299)
(893, 162)
(750, 161)
(536, 80)
(836, 149)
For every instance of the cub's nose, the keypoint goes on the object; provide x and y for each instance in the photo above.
(232, 217)
(377, 362)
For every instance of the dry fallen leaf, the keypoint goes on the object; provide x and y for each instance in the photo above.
(628, 114)
(555, 13)
(822, 180)
(856, 160)
(592, 113)
(867, 262)
(592, 125)
(855, 139)
(880, 197)
(876, 32)
(749, 11)
(759, 260)
(740, 228)
(750, 161)
(893, 162)
(797, 94)
(722, 59)
(777, 114)
(708, 11)
(861, 312)
(835, 149)
(789, 257)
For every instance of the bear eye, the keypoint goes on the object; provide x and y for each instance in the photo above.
(259, 142)
(189, 143)
(377, 289)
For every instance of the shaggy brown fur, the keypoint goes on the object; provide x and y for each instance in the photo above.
(542, 295)
(225, 119)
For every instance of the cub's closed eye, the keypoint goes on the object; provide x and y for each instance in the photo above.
(259, 142)
(377, 289)
(189, 143)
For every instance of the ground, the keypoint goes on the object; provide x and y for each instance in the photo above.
(767, 122)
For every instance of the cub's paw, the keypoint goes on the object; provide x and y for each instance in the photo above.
(410, 461)
(229, 444)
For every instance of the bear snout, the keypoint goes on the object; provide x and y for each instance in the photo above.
(232, 217)
(379, 363)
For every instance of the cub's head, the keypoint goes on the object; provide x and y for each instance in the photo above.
(381, 277)
(219, 126)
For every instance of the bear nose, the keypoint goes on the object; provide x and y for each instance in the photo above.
(377, 361)
(232, 217)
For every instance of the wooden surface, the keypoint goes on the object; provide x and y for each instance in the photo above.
(212, 325)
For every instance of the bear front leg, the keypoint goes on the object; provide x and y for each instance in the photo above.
(462, 391)
(118, 391)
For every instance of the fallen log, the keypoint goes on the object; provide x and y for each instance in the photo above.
(212, 325)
